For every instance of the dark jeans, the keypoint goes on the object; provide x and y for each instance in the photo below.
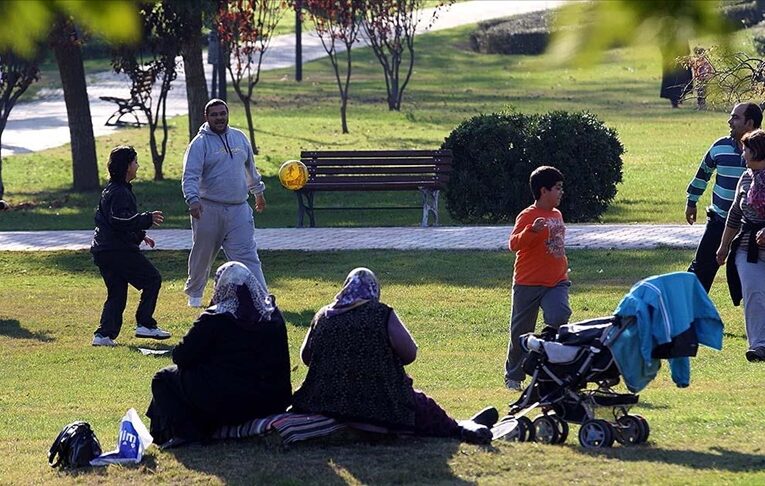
(118, 269)
(704, 264)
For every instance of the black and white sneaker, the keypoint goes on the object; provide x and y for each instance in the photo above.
(151, 333)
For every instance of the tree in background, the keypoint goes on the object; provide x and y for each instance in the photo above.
(16, 75)
(390, 27)
(67, 48)
(192, 14)
(337, 23)
(154, 60)
(246, 28)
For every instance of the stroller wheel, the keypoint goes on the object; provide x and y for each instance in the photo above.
(509, 429)
(562, 426)
(596, 434)
(629, 430)
(646, 428)
(526, 424)
(545, 430)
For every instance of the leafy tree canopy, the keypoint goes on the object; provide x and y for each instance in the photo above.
(587, 29)
(27, 22)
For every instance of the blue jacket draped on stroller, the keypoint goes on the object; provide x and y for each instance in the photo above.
(573, 372)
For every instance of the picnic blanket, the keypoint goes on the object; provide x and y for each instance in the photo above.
(291, 427)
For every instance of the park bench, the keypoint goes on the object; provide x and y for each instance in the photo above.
(139, 101)
(426, 171)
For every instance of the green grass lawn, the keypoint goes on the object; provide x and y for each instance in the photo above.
(455, 303)
(449, 85)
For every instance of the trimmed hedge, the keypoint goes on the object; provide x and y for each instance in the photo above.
(520, 34)
(744, 14)
(495, 154)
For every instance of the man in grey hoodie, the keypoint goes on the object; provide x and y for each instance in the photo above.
(218, 173)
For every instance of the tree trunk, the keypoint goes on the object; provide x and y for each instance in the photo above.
(250, 124)
(2, 186)
(69, 59)
(196, 84)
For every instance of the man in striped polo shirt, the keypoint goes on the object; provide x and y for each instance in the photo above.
(724, 156)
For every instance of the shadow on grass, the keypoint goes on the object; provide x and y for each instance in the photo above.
(612, 270)
(717, 458)
(396, 461)
(299, 319)
(90, 474)
(12, 328)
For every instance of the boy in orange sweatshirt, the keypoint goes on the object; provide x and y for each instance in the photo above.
(540, 277)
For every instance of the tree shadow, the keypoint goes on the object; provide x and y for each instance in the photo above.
(717, 459)
(394, 461)
(12, 328)
(299, 319)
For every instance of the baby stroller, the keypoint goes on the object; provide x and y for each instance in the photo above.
(573, 371)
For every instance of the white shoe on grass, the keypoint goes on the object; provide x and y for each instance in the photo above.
(153, 333)
(195, 301)
(99, 340)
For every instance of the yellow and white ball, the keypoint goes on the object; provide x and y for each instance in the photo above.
(293, 175)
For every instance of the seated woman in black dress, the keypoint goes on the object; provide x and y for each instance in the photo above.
(356, 350)
(232, 366)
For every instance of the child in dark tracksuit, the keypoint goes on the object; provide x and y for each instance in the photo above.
(540, 276)
(120, 229)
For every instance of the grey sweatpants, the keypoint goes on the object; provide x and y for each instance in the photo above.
(752, 277)
(231, 226)
(527, 299)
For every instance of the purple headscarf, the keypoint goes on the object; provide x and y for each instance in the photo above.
(360, 287)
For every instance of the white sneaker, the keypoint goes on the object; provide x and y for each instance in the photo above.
(195, 301)
(153, 333)
(99, 340)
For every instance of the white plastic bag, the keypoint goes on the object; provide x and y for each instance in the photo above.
(133, 440)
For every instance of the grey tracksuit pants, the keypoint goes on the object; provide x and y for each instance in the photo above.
(527, 299)
(231, 226)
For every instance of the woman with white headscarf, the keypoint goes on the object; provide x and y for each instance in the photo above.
(356, 350)
(232, 366)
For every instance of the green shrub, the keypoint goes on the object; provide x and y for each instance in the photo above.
(589, 155)
(494, 155)
(520, 34)
(489, 180)
(744, 14)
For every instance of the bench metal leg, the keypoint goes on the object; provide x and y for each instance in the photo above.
(429, 206)
(305, 206)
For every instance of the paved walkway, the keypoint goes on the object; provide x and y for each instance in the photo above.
(594, 236)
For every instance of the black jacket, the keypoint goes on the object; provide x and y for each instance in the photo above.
(119, 225)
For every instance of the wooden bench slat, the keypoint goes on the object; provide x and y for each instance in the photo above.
(372, 178)
(374, 162)
(375, 170)
(372, 153)
(371, 186)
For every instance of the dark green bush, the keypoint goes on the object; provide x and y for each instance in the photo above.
(491, 168)
(744, 14)
(494, 155)
(520, 34)
(589, 155)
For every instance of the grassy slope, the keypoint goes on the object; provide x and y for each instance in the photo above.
(450, 84)
(456, 305)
